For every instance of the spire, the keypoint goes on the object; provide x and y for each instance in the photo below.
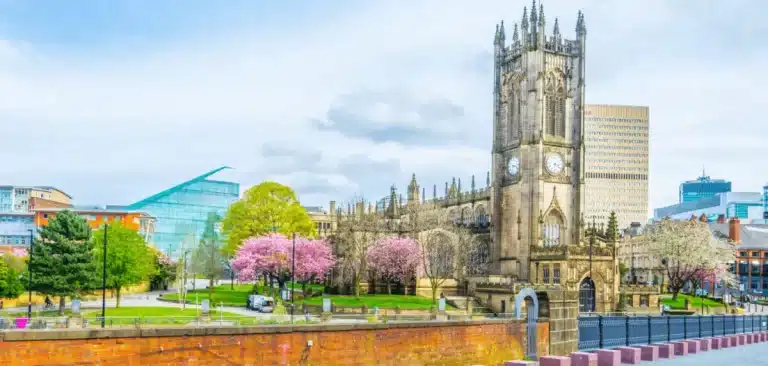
(473, 183)
(556, 31)
(458, 189)
(423, 195)
(524, 22)
(581, 28)
(496, 35)
(488, 179)
(542, 20)
(446, 189)
(434, 191)
(502, 34)
(534, 18)
(515, 35)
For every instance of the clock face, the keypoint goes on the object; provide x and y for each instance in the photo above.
(554, 164)
(513, 166)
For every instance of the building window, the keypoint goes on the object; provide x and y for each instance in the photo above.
(118, 217)
(743, 254)
(556, 273)
(545, 273)
(755, 254)
(105, 218)
(45, 216)
(644, 301)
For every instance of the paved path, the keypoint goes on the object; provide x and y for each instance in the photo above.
(752, 355)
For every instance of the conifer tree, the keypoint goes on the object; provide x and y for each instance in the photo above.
(62, 259)
(612, 231)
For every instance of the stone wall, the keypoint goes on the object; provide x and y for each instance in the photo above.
(487, 342)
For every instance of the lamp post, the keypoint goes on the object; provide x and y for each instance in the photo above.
(293, 272)
(29, 286)
(104, 280)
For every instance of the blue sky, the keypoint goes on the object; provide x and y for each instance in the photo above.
(114, 101)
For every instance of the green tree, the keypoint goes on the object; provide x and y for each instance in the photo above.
(208, 258)
(10, 282)
(623, 269)
(612, 230)
(62, 258)
(129, 259)
(164, 273)
(264, 208)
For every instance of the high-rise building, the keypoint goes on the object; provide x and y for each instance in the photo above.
(181, 211)
(616, 154)
(702, 187)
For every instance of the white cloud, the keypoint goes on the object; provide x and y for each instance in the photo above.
(113, 128)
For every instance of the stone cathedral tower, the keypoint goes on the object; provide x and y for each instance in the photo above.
(538, 150)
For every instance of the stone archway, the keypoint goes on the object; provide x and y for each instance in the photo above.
(528, 297)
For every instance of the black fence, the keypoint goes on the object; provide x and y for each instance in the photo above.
(609, 331)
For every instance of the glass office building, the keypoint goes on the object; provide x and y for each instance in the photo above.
(702, 187)
(181, 210)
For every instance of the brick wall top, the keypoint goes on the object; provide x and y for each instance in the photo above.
(70, 334)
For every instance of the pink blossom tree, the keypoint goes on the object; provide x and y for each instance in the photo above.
(271, 256)
(314, 259)
(394, 259)
(267, 256)
(19, 252)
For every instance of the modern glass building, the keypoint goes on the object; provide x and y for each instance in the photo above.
(747, 206)
(181, 210)
(702, 187)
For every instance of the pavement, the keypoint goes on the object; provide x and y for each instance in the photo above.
(751, 354)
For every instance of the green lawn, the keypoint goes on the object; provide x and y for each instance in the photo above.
(695, 302)
(380, 301)
(222, 293)
(315, 287)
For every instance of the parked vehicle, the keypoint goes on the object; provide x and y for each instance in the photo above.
(261, 303)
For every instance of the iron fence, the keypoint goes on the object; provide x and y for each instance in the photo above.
(609, 331)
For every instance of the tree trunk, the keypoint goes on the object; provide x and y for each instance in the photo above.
(61, 304)
(231, 280)
(356, 283)
(434, 293)
(389, 287)
(117, 297)
(304, 289)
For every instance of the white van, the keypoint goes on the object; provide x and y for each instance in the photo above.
(267, 304)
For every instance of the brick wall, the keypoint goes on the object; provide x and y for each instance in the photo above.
(440, 343)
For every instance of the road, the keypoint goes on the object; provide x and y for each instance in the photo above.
(752, 354)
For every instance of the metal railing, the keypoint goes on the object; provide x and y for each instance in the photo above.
(609, 331)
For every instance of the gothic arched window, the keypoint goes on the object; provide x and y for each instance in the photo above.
(514, 114)
(560, 113)
(549, 100)
(552, 230)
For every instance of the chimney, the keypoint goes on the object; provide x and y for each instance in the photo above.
(721, 219)
(734, 230)
(703, 218)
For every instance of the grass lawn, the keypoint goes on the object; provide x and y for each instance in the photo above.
(695, 302)
(222, 293)
(315, 287)
(151, 315)
(380, 301)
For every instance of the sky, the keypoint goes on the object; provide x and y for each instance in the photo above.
(115, 101)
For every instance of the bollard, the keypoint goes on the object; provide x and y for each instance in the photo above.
(649, 353)
(583, 359)
(666, 350)
(630, 355)
(554, 361)
(608, 358)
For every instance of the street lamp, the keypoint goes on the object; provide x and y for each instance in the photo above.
(29, 265)
(104, 280)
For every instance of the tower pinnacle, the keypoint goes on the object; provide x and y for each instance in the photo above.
(502, 34)
(524, 22)
(515, 35)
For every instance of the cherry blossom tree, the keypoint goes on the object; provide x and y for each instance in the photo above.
(688, 251)
(267, 256)
(314, 259)
(394, 259)
(270, 256)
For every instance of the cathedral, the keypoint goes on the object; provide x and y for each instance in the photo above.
(530, 209)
